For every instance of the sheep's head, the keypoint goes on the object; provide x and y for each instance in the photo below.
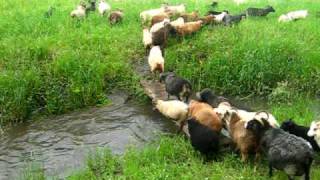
(314, 129)
(163, 76)
(287, 125)
(270, 9)
(257, 126)
(206, 95)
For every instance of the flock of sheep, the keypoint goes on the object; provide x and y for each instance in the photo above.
(288, 147)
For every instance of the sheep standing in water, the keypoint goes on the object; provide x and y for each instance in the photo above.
(259, 11)
(173, 109)
(176, 86)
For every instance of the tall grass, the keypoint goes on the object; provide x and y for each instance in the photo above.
(58, 64)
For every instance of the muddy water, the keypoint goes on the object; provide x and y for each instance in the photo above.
(60, 144)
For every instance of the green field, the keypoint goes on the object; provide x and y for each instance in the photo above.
(58, 64)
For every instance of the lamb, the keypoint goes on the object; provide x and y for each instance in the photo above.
(219, 17)
(156, 60)
(205, 114)
(287, 152)
(158, 18)
(300, 131)
(232, 19)
(189, 17)
(147, 39)
(115, 17)
(259, 11)
(189, 28)
(174, 10)
(103, 7)
(80, 12)
(173, 109)
(176, 86)
(147, 15)
(203, 138)
(294, 15)
(244, 138)
(314, 131)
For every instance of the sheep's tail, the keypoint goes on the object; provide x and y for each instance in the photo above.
(160, 67)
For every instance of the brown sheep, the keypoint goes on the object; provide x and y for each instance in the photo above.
(209, 19)
(189, 28)
(245, 140)
(205, 114)
(189, 17)
(158, 18)
(115, 17)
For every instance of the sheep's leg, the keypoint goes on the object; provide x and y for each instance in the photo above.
(168, 96)
(187, 99)
(178, 98)
(244, 156)
(270, 170)
(307, 171)
(182, 123)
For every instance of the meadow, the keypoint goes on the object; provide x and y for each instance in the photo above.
(58, 64)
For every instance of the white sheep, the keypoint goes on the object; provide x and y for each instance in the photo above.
(175, 10)
(293, 15)
(314, 131)
(147, 38)
(159, 25)
(148, 14)
(219, 18)
(80, 12)
(177, 22)
(103, 7)
(173, 109)
(156, 60)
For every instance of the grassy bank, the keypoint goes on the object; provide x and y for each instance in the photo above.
(58, 64)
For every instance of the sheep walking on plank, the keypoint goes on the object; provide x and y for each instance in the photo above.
(287, 152)
(103, 7)
(80, 12)
(115, 17)
(173, 109)
(294, 15)
(156, 60)
(259, 11)
(300, 131)
(176, 86)
(205, 114)
(314, 131)
(203, 138)
(160, 32)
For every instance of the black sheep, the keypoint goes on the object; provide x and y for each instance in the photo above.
(259, 11)
(176, 86)
(287, 152)
(160, 37)
(232, 19)
(300, 131)
(203, 138)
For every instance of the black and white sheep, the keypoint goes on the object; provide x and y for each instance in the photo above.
(259, 11)
(314, 131)
(233, 19)
(203, 138)
(300, 131)
(103, 7)
(287, 152)
(176, 86)
(92, 6)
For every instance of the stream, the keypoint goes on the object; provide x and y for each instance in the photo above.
(61, 143)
